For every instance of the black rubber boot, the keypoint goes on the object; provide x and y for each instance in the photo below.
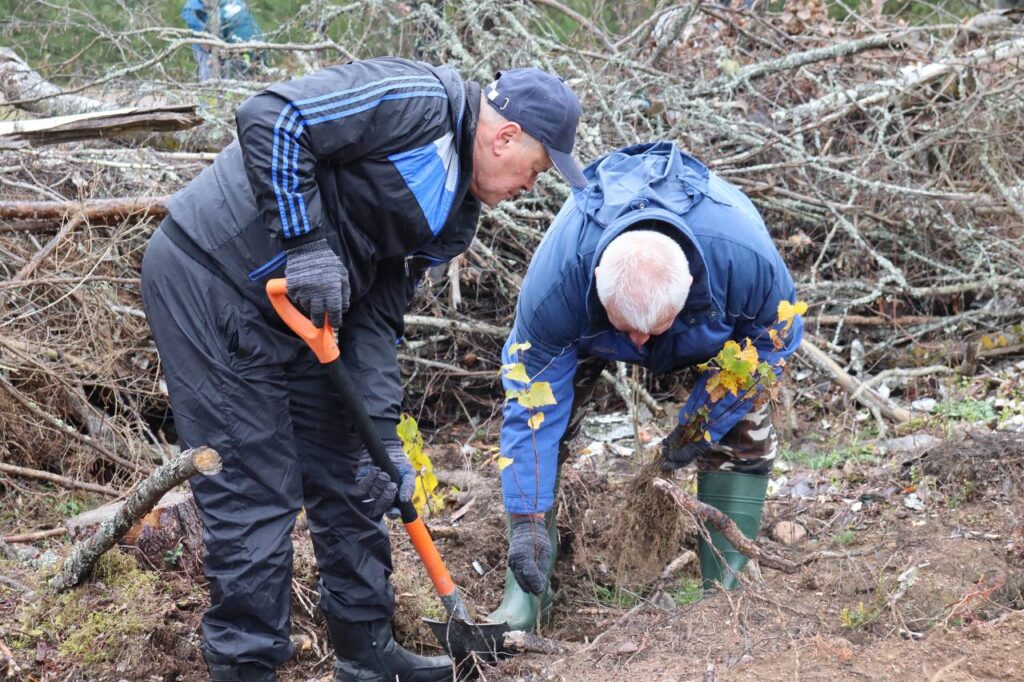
(225, 670)
(367, 652)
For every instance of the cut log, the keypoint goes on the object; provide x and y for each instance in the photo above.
(169, 537)
(77, 566)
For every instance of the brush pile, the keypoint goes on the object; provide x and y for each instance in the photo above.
(884, 156)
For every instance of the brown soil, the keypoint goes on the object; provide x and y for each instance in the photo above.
(895, 593)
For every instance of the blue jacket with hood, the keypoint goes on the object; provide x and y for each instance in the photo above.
(739, 280)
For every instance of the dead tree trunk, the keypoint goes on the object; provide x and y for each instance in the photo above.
(18, 81)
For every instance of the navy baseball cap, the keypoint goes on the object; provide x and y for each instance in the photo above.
(546, 108)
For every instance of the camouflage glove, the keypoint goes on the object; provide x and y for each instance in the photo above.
(529, 552)
(318, 282)
(381, 492)
(677, 452)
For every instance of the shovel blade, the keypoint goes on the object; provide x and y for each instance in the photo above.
(464, 640)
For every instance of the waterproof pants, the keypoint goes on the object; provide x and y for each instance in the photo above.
(255, 393)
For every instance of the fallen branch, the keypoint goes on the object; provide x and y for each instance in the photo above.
(19, 81)
(798, 59)
(36, 536)
(441, 323)
(723, 524)
(864, 395)
(47, 248)
(837, 104)
(200, 460)
(7, 661)
(62, 481)
(523, 642)
(100, 209)
(873, 320)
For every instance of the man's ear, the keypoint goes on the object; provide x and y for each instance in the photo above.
(691, 279)
(505, 136)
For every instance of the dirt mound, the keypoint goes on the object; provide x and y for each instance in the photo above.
(979, 461)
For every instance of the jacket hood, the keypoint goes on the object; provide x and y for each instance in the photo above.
(654, 174)
(649, 181)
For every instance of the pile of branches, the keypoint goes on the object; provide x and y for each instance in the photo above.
(884, 158)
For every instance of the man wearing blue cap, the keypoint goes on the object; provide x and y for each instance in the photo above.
(349, 182)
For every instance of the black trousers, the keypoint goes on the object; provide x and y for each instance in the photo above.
(256, 394)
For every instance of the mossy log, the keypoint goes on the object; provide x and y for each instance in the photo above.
(139, 503)
(170, 536)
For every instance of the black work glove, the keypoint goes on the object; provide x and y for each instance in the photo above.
(529, 552)
(377, 486)
(677, 452)
(318, 282)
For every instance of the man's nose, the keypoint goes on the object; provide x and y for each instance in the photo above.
(639, 338)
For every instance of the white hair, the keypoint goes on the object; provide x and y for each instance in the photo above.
(643, 275)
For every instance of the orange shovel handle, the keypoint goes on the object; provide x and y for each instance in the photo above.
(320, 340)
(430, 557)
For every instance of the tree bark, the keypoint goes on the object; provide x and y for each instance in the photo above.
(18, 81)
(95, 210)
(98, 124)
(200, 460)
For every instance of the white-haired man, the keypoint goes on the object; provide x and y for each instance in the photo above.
(657, 262)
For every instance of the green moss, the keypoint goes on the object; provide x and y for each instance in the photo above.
(96, 622)
(100, 638)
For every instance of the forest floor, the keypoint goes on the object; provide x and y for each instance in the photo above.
(915, 570)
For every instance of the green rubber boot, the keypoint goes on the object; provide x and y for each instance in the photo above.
(741, 498)
(519, 608)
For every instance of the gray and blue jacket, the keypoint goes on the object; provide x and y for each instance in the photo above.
(374, 156)
(739, 280)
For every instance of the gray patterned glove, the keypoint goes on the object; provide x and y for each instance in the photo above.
(677, 453)
(381, 492)
(318, 282)
(529, 552)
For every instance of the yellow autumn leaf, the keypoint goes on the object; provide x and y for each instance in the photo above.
(537, 395)
(788, 311)
(535, 421)
(503, 462)
(707, 436)
(516, 372)
(519, 348)
(749, 354)
(427, 494)
(730, 382)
